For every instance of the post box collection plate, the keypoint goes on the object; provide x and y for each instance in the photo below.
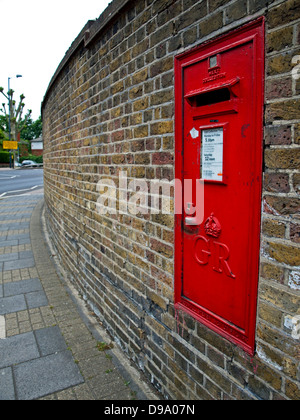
(212, 154)
(219, 124)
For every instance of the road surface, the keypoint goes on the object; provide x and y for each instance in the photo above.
(20, 182)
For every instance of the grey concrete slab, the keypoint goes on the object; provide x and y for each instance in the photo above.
(14, 226)
(22, 287)
(36, 299)
(5, 243)
(47, 375)
(18, 349)
(50, 341)
(7, 390)
(18, 236)
(12, 304)
(18, 264)
(9, 257)
(25, 254)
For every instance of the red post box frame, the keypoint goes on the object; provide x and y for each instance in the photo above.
(253, 31)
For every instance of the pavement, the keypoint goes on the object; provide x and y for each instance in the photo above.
(51, 346)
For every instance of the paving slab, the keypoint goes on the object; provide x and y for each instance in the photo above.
(47, 375)
(36, 299)
(25, 255)
(50, 341)
(2, 327)
(6, 243)
(18, 349)
(9, 257)
(19, 264)
(7, 390)
(12, 304)
(19, 236)
(22, 287)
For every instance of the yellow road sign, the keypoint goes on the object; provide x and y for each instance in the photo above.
(11, 145)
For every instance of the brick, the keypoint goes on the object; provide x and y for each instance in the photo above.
(161, 66)
(162, 158)
(140, 48)
(272, 272)
(270, 314)
(140, 77)
(297, 134)
(161, 248)
(284, 253)
(213, 23)
(191, 16)
(273, 379)
(277, 182)
(295, 232)
(280, 63)
(141, 131)
(292, 390)
(161, 97)
(117, 87)
(286, 110)
(162, 34)
(282, 205)
(136, 92)
(236, 11)
(276, 339)
(142, 159)
(296, 183)
(160, 5)
(282, 158)
(256, 5)
(281, 39)
(117, 159)
(273, 228)
(215, 4)
(141, 104)
(283, 14)
(163, 127)
(277, 89)
(258, 388)
(277, 135)
(279, 298)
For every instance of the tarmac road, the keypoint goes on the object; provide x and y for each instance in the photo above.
(20, 181)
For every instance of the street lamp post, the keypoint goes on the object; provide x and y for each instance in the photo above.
(9, 116)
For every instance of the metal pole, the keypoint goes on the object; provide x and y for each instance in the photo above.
(9, 124)
(11, 161)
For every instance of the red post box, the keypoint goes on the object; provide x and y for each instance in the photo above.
(219, 128)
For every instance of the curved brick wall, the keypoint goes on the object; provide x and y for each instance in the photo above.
(110, 107)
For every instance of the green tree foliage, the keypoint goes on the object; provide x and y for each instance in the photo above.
(3, 124)
(15, 111)
(2, 136)
(32, 129)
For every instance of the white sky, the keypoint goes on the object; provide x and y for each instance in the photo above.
(35, 35)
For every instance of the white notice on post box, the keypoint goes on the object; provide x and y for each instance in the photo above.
(212, 154)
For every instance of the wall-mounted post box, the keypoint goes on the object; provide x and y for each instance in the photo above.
(219, 127)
